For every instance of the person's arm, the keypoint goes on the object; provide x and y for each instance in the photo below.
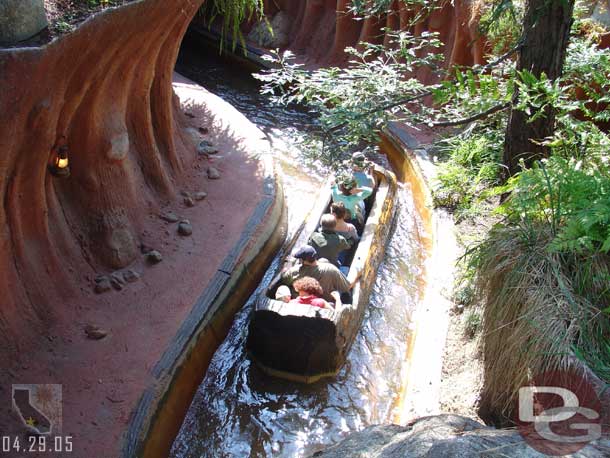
(364, 192)
(337, 297)
(335, 193)
(288, 277)
(353, 233)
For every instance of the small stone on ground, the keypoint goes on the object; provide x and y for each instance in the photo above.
(131, 276)
(185, 228)
(154, 257)
(206, 147)
(170, 217)
(102, 284)
(95, 332)
(213, 173)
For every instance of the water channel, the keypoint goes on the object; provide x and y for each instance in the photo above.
(238, 411)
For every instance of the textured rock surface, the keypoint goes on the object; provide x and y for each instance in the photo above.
(111, 103)
(273, 34)
(443, 436)
(20, 20)
(319, 31)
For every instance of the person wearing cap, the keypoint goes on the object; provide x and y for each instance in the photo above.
(330, 277)
(360, 167)
(346, 190)
(327, 243)
(283, 294)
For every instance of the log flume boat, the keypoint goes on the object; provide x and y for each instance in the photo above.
(303, 343)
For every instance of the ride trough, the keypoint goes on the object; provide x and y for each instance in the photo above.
(303, 343)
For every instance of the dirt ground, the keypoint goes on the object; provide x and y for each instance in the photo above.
(462, 375)
(63, 15)
(462, 371)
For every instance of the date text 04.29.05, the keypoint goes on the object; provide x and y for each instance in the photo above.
(35, 444)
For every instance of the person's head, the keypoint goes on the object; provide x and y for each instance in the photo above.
(307, 254)
(328, 222)
(347, 185)
(308, 286)
(283, 293)
(358, 161)
(338, 209)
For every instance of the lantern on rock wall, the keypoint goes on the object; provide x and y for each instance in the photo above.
(59, 165)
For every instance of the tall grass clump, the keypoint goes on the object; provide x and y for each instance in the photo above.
(544, 275)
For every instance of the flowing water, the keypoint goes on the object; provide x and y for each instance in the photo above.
(238, 411)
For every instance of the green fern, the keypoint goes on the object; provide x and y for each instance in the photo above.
(233, 14)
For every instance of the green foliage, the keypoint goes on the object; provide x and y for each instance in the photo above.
(464, 295)
(472, 167)
(501, 25)
(421, 8)
(359, 98)
(472, 324)
(233, 13)
(571, 196)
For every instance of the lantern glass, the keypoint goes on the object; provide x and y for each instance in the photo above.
(59, 163)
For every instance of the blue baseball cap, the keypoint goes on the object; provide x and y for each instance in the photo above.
(306, 252)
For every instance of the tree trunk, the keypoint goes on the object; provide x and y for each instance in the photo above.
(546, 29)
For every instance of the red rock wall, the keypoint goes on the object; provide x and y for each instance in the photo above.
(321, 29)
(107, 88)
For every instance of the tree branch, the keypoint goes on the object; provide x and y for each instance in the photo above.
(457, 122)
(413, 98)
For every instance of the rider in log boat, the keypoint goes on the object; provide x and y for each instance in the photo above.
(310, 292)
(329, 276)
(361, 170)
(346, 190)
(327, 243)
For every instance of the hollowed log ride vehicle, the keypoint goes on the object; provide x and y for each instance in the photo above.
(303, 343)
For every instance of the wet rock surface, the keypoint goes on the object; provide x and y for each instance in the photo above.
(443, 436)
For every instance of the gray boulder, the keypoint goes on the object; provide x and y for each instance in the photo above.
(443, 436)
(272, 34)
(20, 20)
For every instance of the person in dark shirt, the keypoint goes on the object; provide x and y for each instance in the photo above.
(329, 276)
(327, 243)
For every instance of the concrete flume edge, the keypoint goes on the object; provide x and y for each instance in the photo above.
(420, 395)
(163, 405)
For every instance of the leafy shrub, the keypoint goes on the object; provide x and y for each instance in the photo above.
(571, 196)
(472, 167)
(472, 324)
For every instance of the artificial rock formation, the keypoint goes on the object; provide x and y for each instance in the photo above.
(20, 20)
(443, 436)
(104, 92)
(321, 29)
